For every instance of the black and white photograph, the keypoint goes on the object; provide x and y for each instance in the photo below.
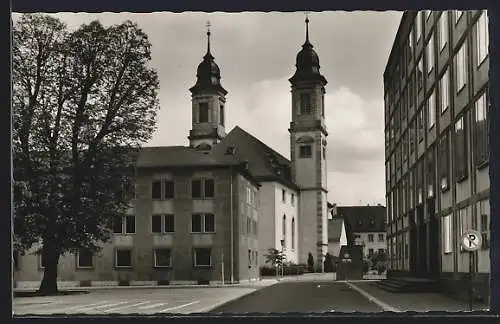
(227, 163)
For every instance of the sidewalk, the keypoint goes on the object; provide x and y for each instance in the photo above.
(252, 284)
(413, 302)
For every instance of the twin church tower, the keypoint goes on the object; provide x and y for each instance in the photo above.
(308, 145)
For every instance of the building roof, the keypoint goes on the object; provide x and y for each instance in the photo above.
(335, 229)
(362, 218)
(264, 163)
(180, 156)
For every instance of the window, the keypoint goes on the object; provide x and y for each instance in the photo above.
(123, 258)
(381, 238)
(305, 103)
(305, 151)
(482, 35)
(410, 43)
(481, 149)
(447, 234)
(463, 223)
(162, 258)
(411, 135)
(323, 105)
(430, 54)
(167, 192)
(370, 237)
(324, 152)
(460, 148)
(370, 253)
(458, 15)
(293, 233)
(283, 230)
(430, 172)
(169, 189)
(203, 223)
(203, 113)
(221, 115)
(84, 258)
(420, 125)
(202, 257)
(444, 161)
(444, 84)
(431, 110)
(292, 199)
(461, 68)
(418, 26)
(485, 223)
(283, 195)
(124, 225)
(163, 223)
(156, 190)
(203, 188)
(443, 30)
(420, 73)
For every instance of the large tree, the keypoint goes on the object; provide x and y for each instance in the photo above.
(83, 103)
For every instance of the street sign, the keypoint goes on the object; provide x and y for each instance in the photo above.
(471, 240)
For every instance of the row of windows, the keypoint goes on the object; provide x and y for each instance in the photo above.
(466, 221)
(443, 34)
(453, 141)
(205, 116)
(200, 223)
(371, 252)
(371, 237)
(439, 97)
(165, 189)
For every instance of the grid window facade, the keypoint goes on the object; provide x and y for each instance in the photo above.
(443, 30)
(482, 36)
(461, 67)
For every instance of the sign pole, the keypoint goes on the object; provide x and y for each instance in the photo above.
(471, 242)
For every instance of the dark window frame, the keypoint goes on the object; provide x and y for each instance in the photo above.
(195, 257)
(117, 251)
(461, 147)
(203, 112)
(305, 104)
(202, 227)
(155, 257)
(305, 151)
(78, 259)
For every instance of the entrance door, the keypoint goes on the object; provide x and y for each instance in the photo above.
(434, 247)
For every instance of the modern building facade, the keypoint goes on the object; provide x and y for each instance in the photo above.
(211, 210)
(365, 227)
(436, 136)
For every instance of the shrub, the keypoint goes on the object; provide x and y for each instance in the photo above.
(123, 282)
(163, 282)
(85, 283)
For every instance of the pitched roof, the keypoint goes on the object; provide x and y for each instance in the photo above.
(264, 163)
(335, 229)
(363, 218)
(180, 156)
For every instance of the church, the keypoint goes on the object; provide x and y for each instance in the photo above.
(210, 211)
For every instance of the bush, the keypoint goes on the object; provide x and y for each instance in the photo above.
(381, 268)
(288, 270)
(85, 283)
(163, 282)
(122, 282)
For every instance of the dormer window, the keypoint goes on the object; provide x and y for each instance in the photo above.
(305, 103)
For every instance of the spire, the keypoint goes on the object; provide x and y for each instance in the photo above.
(307, 28)
(208, 55)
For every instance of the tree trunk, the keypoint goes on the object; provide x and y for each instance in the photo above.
(50, 258)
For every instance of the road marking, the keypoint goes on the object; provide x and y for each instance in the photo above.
(78, 307)
(152, 306)
(104, 306)
(178, 307)
(378, 302)
(126, 306)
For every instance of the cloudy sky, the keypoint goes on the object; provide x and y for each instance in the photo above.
(256, 54)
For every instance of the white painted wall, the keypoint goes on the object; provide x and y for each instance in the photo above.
(375, 245)
(291, 212)
(267, 218)
(334, 247)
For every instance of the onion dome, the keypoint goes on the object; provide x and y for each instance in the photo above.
(208, 73)
(307, 63)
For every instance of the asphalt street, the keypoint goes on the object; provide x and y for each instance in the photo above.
(303, 297)
(131, 301)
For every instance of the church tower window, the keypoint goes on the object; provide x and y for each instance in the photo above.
(221, 114)
(203, 113)
(305, 103)
(305, 151)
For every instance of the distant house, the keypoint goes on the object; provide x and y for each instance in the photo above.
(364, 225)
(337, 236)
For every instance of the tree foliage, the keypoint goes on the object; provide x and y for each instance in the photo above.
(83, 102)
(275, 257)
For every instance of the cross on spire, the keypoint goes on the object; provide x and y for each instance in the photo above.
(208, 25)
